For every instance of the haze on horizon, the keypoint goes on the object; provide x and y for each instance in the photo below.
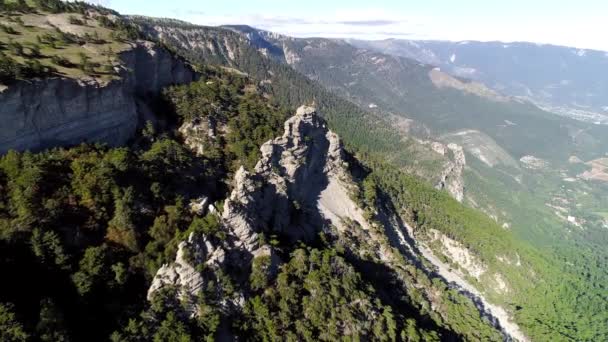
(560, 22)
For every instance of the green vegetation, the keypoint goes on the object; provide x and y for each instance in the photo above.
(555, 286)
(233, 104)
(94, 224)
(29, 48)
(318, 296)
(362, 132)
(572, 311)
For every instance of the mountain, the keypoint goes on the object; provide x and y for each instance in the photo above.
(443, 103)
(246, 191)
(566, 81)
(87, 75)
(515, 188)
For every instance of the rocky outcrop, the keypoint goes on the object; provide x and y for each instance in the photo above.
(451, 178)
(57, 111)
(183, 275)
(300, 186)
(197, 133)
(297, 188)
(286, 183)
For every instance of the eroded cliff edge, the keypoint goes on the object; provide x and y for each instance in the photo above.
(53, 112)
(299, 188)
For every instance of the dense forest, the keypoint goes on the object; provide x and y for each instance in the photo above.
(94, 224)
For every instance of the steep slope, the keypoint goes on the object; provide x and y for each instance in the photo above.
(96, 98)
(444, 104)
(509, 195)
(364, 131)
(566, 80)
(300, 188)
(62, 111)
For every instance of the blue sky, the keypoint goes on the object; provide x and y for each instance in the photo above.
(578, 23)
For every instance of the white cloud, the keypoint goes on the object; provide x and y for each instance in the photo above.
(380, 23)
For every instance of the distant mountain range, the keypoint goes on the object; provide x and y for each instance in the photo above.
(441, 102)
(564, 80)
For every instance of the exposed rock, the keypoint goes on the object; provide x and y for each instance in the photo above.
(183, 274)
(534, 163)
(598, 172)
(57, 111)
(296, 187)
(459, 255)
(451, 178)
(288, 179)
(196, 134)
(213, 210)
(301, 185)
(198, 206)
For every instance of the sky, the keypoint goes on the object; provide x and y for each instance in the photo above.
(576, 23)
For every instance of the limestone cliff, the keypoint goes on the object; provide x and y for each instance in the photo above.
(302, 186)
(58, 111)
(296, 189)
(451, 178)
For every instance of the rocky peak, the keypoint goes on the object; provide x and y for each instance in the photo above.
(286, 181)
(184, 275)
(451, 178)
(293, 191)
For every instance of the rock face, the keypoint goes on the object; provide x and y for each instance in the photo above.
(184, 275)
(56, 112)
(281, 195)
(295, 190)
(451, 177)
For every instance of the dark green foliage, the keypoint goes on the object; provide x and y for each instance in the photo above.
(62, 61)
(10, 329)
(72, 218)
(550, 299)
(260, 272)
(48, 248)
(233, 103)
(51, 325)
(85, 63)
(319, 296)
(8, 29)
(11, 70)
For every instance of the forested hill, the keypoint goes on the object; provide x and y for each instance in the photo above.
(445, 104)
(521, 207)
(228, 214)
(363, 131)
(95, 224)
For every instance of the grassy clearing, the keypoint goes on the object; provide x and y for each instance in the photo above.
(84, 47)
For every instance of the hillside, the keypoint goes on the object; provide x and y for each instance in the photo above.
(235, 184)
(444, 104)
(73, 73)
(104, 227)
(567, 81)
(497, 191)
